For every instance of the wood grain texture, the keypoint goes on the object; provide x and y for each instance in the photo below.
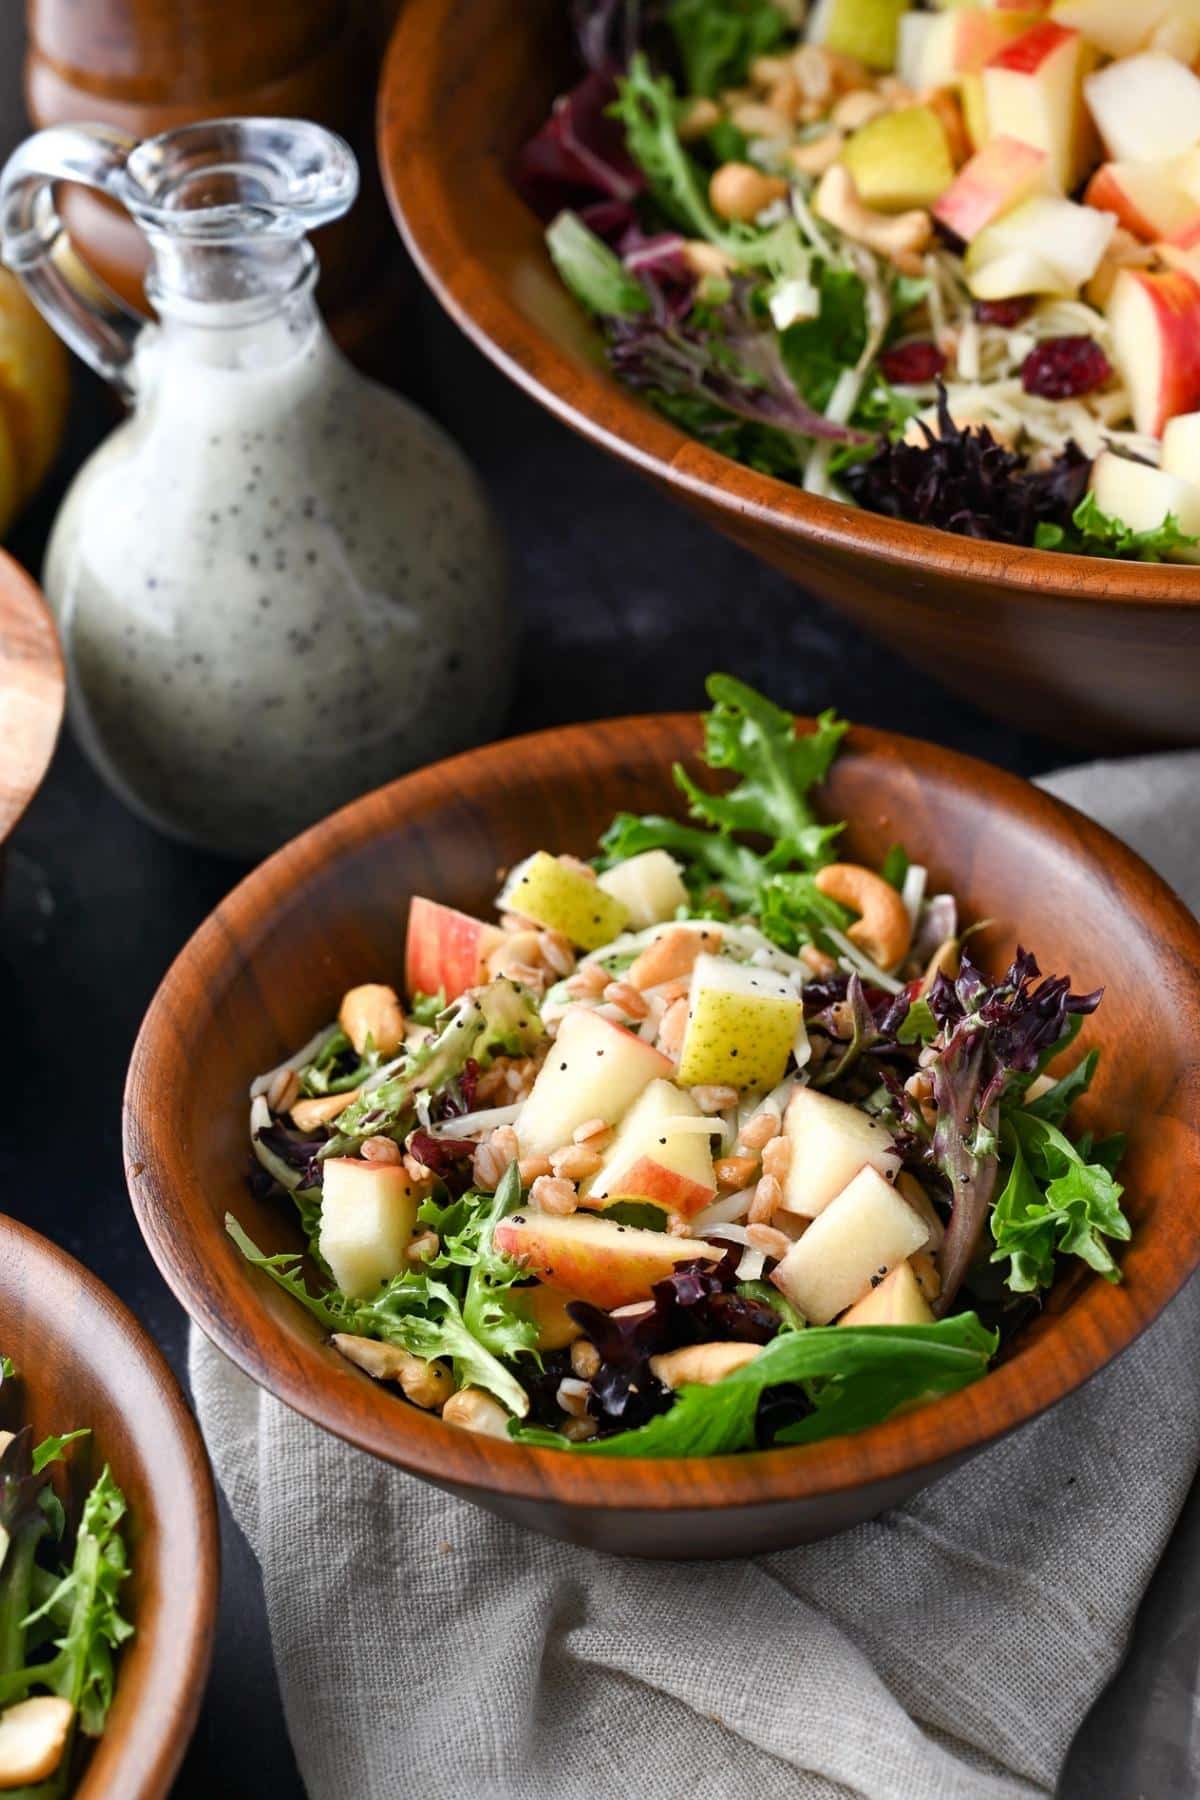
(83, 1360)
(1093, 652)
(32, 692)
(329, 910)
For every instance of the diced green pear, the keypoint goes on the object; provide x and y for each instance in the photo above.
(742, 1023)
(650, 886)
(862, 28)
(901, 160)
(555, 895)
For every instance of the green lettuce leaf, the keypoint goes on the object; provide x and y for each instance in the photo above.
(1096, 533)
(595, 274)
(718, 39)
(817, 352)
(1053, 1202)
(855, 1376)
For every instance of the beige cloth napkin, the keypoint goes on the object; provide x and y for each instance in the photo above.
(947, 1651)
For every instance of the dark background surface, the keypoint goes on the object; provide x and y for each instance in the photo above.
(627, 604)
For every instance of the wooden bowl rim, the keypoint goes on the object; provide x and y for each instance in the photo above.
(299, 1375)
(187, 1560)
(417, 159)
(29, 646)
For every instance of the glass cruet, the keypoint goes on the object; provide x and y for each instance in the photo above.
(277, 583)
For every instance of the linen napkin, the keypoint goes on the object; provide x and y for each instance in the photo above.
(950, 1648)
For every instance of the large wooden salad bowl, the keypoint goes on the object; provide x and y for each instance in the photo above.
(329, 910)
(83, 1360)
(1094, 652)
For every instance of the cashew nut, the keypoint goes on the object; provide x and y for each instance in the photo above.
(474, 1410)
(755, 120)
(33, 1736)
(698, 119)
(703, 258)
(739, 191)
(427, 1384)
(898, 236)
(883, 928)
(307, 1115)
(372, 1011)
(767, 71)
(701, 1365)
(813, 68)
(858, 108)
(817, 154)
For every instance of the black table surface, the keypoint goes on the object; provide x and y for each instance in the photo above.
(627, 603)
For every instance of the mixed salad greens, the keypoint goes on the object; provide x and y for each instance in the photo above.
(940, 262)
(718, 1142)
(60, 1619)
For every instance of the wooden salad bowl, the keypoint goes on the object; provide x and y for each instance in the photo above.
(32, 692)
(1094, 652)
(82, 1359)
(329, 911)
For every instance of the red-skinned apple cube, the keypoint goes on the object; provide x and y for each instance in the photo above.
(1033, 91)
(654, 1159)
(1146, 108)
(597, 1259)
(1144, 497)
(1144, 198)
(1154, 317)
(1117, 27)
(1001, 175)
(446, 949)
(595, 1069)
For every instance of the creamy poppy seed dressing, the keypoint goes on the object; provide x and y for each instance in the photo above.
(277, 586)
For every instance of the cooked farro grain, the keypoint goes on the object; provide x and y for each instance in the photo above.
(767, 1196)
(672, 1028)
(531, 1167)
(556, 952)
(492, 1158)
(777, 1157)
(575, 1162)
(423, 1247)
(759, 1130)
(627, 999)
(768, 1240)
(588, 982)
(735, 1172)
(592, 1132)
(382, 1150)
(715, 1099)
(554, 1194)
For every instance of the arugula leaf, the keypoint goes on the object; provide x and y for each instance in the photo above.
(855, 1376)
(1058, 1100)
(1053, 1202)
(1096, 533)
(761, 447)
(50, 1449)
(718, 39)
(595, 274)
(487, 1313)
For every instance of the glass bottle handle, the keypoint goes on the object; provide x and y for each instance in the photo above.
(34, 243)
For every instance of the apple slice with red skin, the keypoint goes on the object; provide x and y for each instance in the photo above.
(446, 949)
(1001, 175)
(1033, 90)
(1144, 198)
(1154, 317)
(594, 1069)
(650, 1162)
(597, 1259)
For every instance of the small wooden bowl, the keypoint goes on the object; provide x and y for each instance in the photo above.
(83, 1360)
(32, 692)
(328, 911)
(1093, 652)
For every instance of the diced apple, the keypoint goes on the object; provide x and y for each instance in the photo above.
(1181, 447)
(742, 1023)
(897, 1300)
(831, 1141)
(1142, 497)
(996, 179)
(861, 1234)
(371, 1015)
(1033, 90)
(1144, 198)
(1044, 246)
(864, 29)
(1147, 107)
(368, 1211)
(649, 887)
(445, 949)
(551, 893)
(547, 1307)
(901, 159)
(1117, 27)
(650, 1162)
(597, 1259)
(1154, 318)
(1178, 34)
(595, 1070)
(936, 50)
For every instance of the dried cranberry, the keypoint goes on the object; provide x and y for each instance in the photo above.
(1062, 367)
(1003, 312)
(908, 364)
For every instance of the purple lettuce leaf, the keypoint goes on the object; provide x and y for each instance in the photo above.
(578, 156)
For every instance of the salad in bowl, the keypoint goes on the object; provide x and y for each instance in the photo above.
(716, 1142)
(940, 264)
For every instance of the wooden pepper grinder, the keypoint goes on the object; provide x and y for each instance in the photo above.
(147, 65)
